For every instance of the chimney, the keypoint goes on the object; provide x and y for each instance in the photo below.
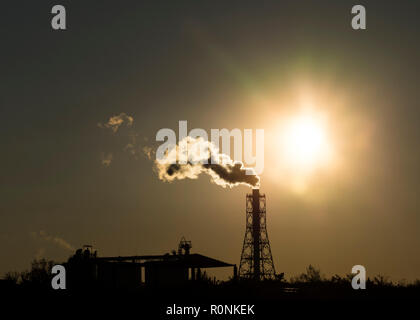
(256, 230)
(256, 200)
(256, 259)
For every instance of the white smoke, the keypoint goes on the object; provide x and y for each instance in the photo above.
(56, 240)
(116, 121)
(194, 156)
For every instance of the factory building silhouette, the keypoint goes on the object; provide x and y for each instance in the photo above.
(86, 269)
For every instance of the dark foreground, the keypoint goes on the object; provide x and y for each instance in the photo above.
(268, 300)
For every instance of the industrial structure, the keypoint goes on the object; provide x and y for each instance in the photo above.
(86, 270)
(256, 259)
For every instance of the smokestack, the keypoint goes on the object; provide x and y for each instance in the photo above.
(256, 199)
(256, 259)
(256, 230)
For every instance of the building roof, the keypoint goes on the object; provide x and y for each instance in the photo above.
(193, 260)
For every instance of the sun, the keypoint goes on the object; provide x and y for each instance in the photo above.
(305, 142)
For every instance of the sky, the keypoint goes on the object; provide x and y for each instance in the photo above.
(68, 180)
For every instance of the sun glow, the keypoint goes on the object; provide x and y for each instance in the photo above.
(304, 142)
(304, 146)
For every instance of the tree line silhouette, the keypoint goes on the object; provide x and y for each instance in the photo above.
(311, 283)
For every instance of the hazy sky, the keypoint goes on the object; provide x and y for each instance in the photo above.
(216, 64)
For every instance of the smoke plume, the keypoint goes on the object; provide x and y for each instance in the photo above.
(199, 157)
(115, 122)
(106, 159)
(57, 240)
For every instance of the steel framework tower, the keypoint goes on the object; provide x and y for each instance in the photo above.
(256, 259)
